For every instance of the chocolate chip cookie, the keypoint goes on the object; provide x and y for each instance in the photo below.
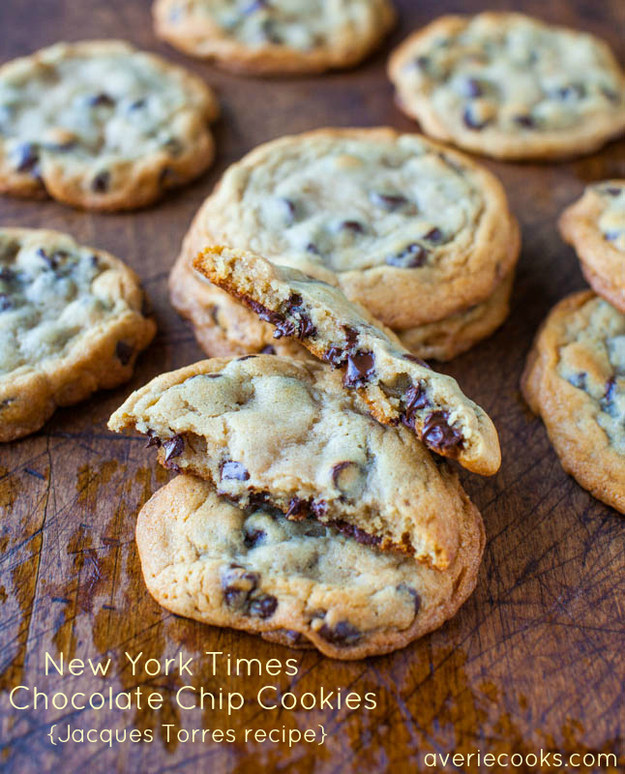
(299, 582)
(279, 432)
(71, 322)
(276, 37)
(595, 226)
(409, 229)
(575, 380)
(101, 125)
(396, 386)
(509, 86)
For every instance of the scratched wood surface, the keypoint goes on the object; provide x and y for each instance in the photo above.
(535, 659)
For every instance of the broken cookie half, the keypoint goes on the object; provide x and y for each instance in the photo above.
(396, 386)
(298, 583)
(271, 431)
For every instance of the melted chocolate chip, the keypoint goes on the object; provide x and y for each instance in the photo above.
(359, 535)
(339, 468)
(124, 352)
(343, 634)
(360, 368)
(266, 314)
(101, 182)
(27, 158)
(263, 606)
(414, 400)
(51, 260)
(318, 508)
(234, 471)
(389, 202)
(311, 247)
(173, 447)
(438, 434)
(268, 350)
(237, 584)
(305, 327)
(411, 257)
(6, 274)
(298, 509)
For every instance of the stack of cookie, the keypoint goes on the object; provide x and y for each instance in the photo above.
(309, 508)
(420, 235)
(575, 374)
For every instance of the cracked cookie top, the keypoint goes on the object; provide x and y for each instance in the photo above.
(411, 230)
(267, 429)
(575, 379)
(275, 36)
(252, 569)
(510, 86)
(101, 125)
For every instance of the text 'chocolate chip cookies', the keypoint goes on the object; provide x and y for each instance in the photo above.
(416, 233)
(276, 37)
(296, 582)
(71, 322)
(509, 86)
(101, 125)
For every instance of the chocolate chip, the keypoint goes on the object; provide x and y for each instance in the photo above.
(579, 380)
(343, 634)
(293, 637)
(311, 247)
(6, 274)
(413, 593)
(607, 402)
(414, 400)
(153, 439)
(434, 235)
(389, 202)
(570, 91)
(27, 158)
(298, 509)
(471, 121)
(348, 478)
(438, 434)
(360, 368)
(471, 88)
(5, 302)
(289, 210)
(124, 352)
(422, 62)
(173, 447)
(263, 606)
(305, 327)
(101, 182)
(318, 508)
(411, 257)
(138, 104)
(352, 225)
(234, 471)
(101, 100)
(612, 190)
(525, 121)
(237, 584)
(52, 261)
(358, 534)
(250, 539)
(268, 350)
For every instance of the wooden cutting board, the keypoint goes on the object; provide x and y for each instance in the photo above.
(535, 659)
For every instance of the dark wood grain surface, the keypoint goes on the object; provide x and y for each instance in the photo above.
(535, 659)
